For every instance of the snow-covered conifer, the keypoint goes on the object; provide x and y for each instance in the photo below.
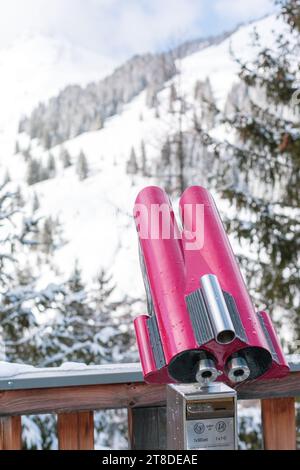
(82, 167)
(132, 165)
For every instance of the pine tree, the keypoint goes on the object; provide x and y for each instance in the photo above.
(115, 333)
(157, 112)
(65, 158)
(45, 173)
(7, 178)
(264, 187)
(203, 95)
(132, 166)
(20, 203)
(65, 337)
(144, 159)
(17, 148)
(91, 328)
(35, 203)
(175, 178)
(86, 327)
(46, 139)
(82, 166)
(98, 124)
(47, 236)
(50, 237)
(51, 166)
(19, 299)
(166, 154)
(75, 283)
(166, 167)
(34, 172)
(173, 98)
(27, 153)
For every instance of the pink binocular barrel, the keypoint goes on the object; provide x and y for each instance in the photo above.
(215, 258)
(164, 271)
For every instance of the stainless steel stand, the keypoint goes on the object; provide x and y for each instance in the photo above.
(201, 418)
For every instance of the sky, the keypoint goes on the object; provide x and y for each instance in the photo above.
(121, 28)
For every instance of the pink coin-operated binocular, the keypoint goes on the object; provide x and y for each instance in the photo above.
(201, 324)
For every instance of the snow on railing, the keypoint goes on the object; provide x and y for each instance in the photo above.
(23, 377)
(19, 376)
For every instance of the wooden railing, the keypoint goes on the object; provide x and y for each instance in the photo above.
(74, 396)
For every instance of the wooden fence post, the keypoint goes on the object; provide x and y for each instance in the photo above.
(279, 423)
(10, 433)
(76, 431)
(147, 428)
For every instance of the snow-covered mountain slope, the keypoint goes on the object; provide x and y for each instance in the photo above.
(96, 212)
(36, 67)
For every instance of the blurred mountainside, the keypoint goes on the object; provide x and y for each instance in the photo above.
(82, 154)
(80, 109)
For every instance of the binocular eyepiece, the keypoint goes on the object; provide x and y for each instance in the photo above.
(206, 372)
(236, 369)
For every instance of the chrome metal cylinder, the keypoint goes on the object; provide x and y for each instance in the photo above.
(219, 315)
(207, 372)
(237, 370)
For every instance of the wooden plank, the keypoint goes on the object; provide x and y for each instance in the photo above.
(147, 428)
(288, 386)
(279, 424)
(88, 398)
(97, 397)
(76, 431)
(10, 433)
